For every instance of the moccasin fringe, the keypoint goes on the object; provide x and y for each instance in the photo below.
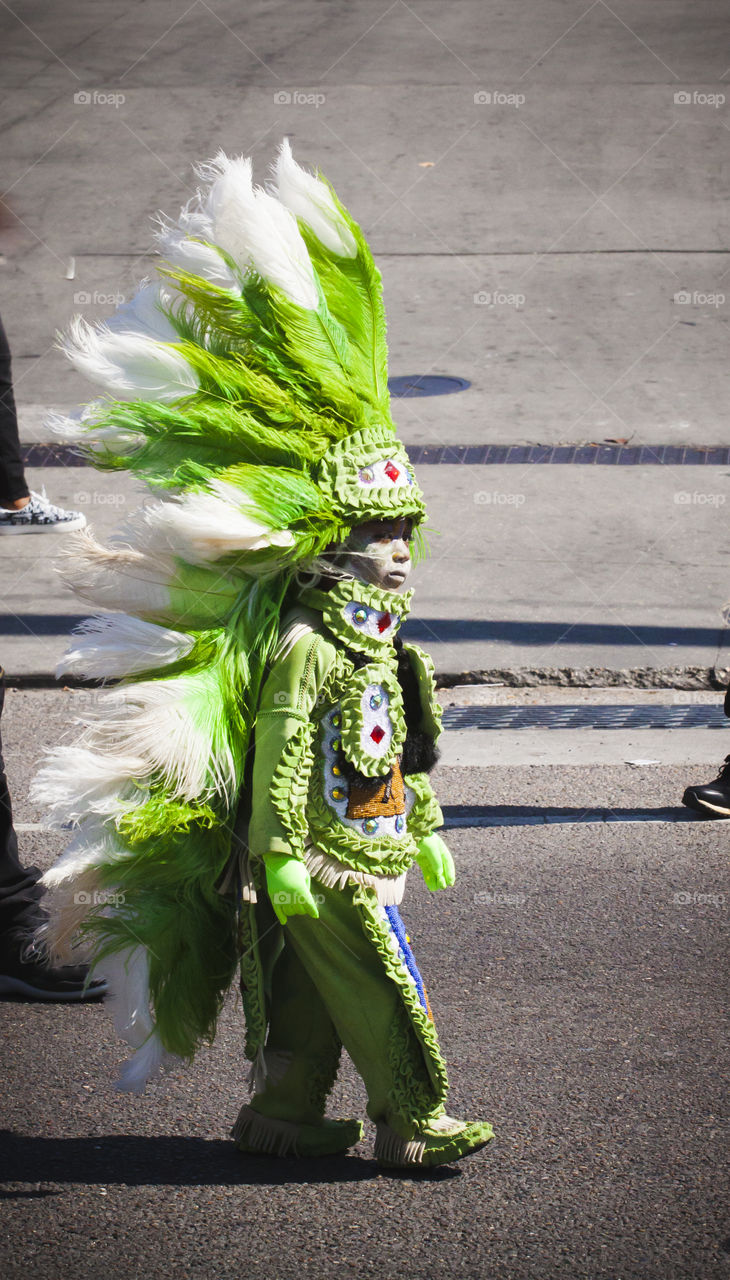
(390, 1146)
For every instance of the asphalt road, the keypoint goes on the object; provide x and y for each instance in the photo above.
(582, 1008)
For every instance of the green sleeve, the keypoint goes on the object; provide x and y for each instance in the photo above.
(425, 817)
(283, 755)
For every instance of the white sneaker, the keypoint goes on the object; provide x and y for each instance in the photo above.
(40, 516)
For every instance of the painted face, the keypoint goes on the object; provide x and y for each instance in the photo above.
(379, 552)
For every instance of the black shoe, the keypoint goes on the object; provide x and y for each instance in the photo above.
(712, 800)
(24, 973)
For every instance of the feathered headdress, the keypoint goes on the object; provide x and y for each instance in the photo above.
(250, 381)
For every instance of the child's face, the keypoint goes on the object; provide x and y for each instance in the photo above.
(379, 552)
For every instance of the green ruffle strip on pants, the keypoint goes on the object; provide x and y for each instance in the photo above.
(336, 981)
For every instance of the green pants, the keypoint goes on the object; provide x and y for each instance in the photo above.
(338, 982)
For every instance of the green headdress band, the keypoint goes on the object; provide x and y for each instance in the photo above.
(368, 476)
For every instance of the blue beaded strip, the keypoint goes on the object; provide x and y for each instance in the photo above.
(399, 929)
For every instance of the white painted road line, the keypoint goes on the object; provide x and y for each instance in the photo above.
(484, 749)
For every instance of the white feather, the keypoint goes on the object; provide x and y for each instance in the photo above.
(201, 527)
(145, 1065)
(143, 313)
(171, 725)
(257, 231)
(130, 365)
(117, 577)
(128, 1001)
(193, 220)
(308, 198)
(74, 888)
(117, 644)
(75, 781)
(73, 426)
(127, 973)
(93, 842)
(75, 429)
(66, 906)
(195, 257)
(152, 585)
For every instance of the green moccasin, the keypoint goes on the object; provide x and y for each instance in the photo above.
(438, 1141)
(256, 1134)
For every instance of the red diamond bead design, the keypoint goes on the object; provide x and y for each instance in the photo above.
(384, 621)
(391, 471)
(377, 734)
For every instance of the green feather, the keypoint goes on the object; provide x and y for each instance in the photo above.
(185, 445)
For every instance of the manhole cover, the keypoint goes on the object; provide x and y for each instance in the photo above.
(425, 384)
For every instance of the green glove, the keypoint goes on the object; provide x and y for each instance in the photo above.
(435, 862)
(288, 883)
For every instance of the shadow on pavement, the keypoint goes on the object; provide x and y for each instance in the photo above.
(449, 630)
(525, 815)
(513, 631)
(165, 1160)
(40, 624)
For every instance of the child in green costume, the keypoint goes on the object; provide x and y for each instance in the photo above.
(341, 808)
(255, 790)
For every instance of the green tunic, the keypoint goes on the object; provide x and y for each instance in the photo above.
(318, 713)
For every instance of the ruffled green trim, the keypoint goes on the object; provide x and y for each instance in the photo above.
(425, 817)
(377, 856)
(338, 677)
(411, 1094)
(331, 604)
(365, 900)
(354, 741)
(290, 785)
(338, 476)
(423, 669)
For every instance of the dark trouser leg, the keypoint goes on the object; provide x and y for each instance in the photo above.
(12, 476)
(19, 889)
